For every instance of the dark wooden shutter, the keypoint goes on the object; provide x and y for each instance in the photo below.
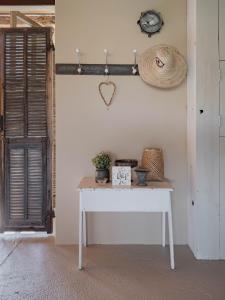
(26, 84)
(26, 192)
(27, 164)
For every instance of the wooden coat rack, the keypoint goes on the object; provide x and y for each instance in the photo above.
(98, 69)
(95, 69)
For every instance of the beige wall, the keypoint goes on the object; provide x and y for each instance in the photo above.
(140, 115)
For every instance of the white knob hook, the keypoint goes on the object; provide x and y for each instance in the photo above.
(79, 69)
(106, 62)
(134, 67)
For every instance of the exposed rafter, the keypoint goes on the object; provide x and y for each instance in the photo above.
(18, 15)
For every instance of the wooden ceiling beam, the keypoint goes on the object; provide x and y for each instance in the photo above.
(41, 19)
(27, 2)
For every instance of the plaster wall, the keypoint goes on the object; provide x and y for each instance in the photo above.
(140, 115)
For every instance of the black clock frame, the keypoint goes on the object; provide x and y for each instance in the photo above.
(153, 12)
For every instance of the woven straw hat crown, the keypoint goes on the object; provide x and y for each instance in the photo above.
(164, 60)
(162, 66)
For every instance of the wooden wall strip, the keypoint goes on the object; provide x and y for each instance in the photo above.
(27, 2)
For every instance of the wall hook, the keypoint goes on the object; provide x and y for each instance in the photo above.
(134, 67)
(106, 62)
(79, 69)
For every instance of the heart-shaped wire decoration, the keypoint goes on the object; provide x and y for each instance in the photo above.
(107, 102)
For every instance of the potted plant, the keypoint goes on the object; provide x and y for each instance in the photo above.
(102, 162)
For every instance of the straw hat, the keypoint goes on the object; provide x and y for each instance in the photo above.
(162, 66)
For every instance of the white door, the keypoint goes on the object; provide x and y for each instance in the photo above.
(222, 129)
(222, 197)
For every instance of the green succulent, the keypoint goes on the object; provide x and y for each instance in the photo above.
(102, 161)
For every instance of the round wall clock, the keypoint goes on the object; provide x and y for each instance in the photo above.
(150, 22)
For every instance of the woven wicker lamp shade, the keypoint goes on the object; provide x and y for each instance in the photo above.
(152, 159)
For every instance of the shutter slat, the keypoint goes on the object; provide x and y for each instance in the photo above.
(14, 85)
(16, 184)
(37, 78)
(35, 183)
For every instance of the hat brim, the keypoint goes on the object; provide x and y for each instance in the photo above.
(150, 75)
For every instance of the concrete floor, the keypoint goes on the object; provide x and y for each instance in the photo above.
(36, 269)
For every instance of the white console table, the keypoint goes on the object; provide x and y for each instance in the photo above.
(156, 197)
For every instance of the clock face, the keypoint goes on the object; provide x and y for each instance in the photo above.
(150, 22)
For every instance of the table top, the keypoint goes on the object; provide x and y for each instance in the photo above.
(88, 183)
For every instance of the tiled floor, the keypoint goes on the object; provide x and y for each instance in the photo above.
(36, 269)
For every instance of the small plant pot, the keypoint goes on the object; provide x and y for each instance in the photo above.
(102, 175)
(142, 175)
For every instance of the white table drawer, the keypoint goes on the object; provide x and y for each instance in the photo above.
(125, 200)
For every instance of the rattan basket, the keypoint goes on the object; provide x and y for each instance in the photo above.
(152, 159)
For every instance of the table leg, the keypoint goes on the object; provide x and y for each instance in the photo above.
(170, 223)
(163, 229)
(84, 229)
(80, 238)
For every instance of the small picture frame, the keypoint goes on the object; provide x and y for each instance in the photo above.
(121, 175)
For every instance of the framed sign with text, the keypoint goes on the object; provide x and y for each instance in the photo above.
(121, 175)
